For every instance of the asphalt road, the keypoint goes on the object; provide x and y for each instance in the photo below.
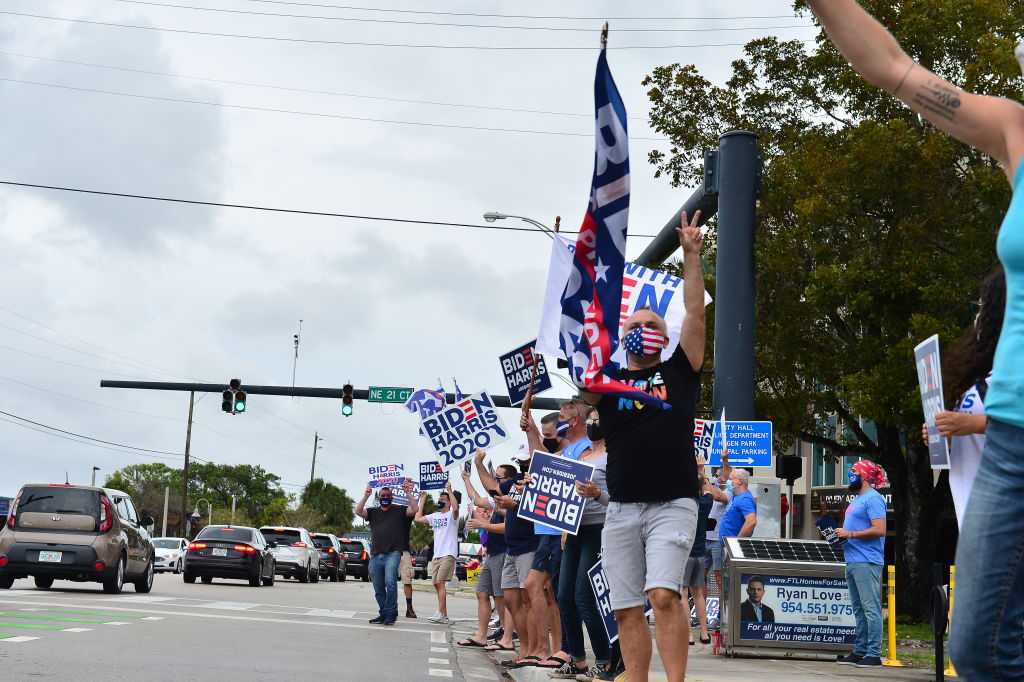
(226, 631)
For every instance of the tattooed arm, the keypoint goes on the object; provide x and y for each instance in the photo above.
(993, 125)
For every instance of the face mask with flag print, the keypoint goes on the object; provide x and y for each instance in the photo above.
(642, 341)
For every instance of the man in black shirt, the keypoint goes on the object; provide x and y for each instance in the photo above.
(389, 539)
(652, 475)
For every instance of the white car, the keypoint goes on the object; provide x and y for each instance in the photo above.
(295, 553)
(170, 554)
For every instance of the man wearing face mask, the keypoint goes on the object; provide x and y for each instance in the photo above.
(445, 523)
(864, 532)
(389, 539)
(652, 474)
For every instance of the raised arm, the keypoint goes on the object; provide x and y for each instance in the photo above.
(486, 479)
(419, 517)
(993, 125)
(692, 337)
(475, 497)
(361, 507)
(414, 507)
(533, 436)
(455, 504)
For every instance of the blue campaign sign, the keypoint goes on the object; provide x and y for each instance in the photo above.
(456, 432)
(551, 498)
(750, 443)
(432, 476)
(517, 368)
(602, 595)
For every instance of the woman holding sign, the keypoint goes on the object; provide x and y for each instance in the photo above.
(988, 617)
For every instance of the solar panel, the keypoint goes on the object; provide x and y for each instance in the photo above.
(789, 550)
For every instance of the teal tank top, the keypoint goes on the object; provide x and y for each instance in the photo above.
(1005, 399)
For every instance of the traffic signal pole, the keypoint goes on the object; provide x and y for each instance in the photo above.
(546, 404)
(188, 452)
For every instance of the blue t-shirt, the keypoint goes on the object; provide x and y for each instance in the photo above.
(736, 514)
(573, 452)
(519, 537)
(495, 542)
(1006, 388)
(864, 508)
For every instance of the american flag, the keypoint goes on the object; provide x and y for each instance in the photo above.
(592, 298)
(650, 342)
(467, 408)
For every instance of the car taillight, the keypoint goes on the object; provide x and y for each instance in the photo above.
(106, 514)
(3, 561)
(100, 566)
(298, 544)
(196, 546)
(245, 549)
(13, 510)
(330, 550)
(363, 556)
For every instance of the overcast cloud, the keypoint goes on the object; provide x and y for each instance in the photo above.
(97, 287)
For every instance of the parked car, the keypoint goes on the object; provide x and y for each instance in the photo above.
(170, 554)
(421, 561)
(296, 555)
(357, 557)
(332, 566)
(75, 532)
(234, 552)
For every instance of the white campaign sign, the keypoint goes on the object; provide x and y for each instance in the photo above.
(458, 431)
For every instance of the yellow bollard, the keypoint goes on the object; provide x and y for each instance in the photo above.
(891, 661)
(950, 670)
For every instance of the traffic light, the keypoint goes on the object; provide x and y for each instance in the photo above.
(239, 402)
(346, 400)
(228, 403)
(234, 398)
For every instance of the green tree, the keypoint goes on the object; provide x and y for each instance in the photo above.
(146, 484)
(875, 232)
(332, 502)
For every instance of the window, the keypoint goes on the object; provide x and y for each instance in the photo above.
(824, 467)
(125, 510)
(848, 462)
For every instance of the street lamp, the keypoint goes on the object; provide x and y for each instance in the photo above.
(94, 470)
(209, 509)
(492, 216)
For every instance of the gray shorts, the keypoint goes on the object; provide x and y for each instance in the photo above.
(645, 546)
(488, 581)
(515, 570)
(693, 573)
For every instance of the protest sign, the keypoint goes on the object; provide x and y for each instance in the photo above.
(796, 609)
(641, 286)
(399, 493)
(750, 443)
(517, 368)
(602, 594)
(389, 475)
(458, 431)
(929, 379)
(432, 476)
(551, 498)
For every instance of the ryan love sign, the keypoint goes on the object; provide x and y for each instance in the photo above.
(458, 431)
(517, 368)
(551, 498)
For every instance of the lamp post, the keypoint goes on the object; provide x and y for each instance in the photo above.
(209, 510)
(94, 470)
(492, 216)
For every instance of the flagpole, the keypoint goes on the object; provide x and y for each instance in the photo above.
(604, 36)
(528, 400)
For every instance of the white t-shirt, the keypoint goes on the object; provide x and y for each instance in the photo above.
(965, 455)
(446, 533)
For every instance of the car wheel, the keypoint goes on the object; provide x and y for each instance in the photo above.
(43, 582)
(144, 585)
(334, 575)
(115, 584)
(6, 582)
(366, 577)
(207, 579)
(256, 579)
(177, 567)
(269, 581)
(190, 579)
(316, 574)
(303, 575)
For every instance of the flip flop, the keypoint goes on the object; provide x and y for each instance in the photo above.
(523, 663)
(561, 661)
(471, 643)
(498, 647)
(551, 662)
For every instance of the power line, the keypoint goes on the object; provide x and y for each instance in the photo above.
(62, 362)
(314, 114)
(513, 16)
(409, 22)
(356, 43)
(253, 207)
(333, 93)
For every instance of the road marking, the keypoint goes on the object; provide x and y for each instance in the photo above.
(117, 622)
(481, 674)
(227, 605)
(438, 661)
(437, 637)
(18, 640)
(329, 613)
(31, 609)
(140, 599)
(13, 625)
(153, 618)
(439, 672)
(77, 630)
(439, 650)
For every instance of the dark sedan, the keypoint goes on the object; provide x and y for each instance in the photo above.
(332, 565)
(357, 558)
(230, 552)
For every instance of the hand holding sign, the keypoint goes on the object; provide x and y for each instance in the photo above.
(551, 496)
(588, 489)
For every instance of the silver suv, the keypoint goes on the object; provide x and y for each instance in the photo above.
(295, 553)
(76, 532)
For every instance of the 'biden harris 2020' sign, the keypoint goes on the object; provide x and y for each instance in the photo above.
(458, 431)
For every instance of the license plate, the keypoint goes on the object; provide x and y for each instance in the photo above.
(50, 557)
(220, 552)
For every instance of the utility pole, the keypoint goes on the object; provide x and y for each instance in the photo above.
(184, 474)
(232, 510)
(94, 470)
(167, 498)
(316, 446)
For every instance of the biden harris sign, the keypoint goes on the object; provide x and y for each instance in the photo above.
(458, 431)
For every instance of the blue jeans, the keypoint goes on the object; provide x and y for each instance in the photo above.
(576, 603)
(384, 574)
(987, 638)
(865, 582)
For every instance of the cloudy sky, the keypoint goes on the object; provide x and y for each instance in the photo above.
(94, 287)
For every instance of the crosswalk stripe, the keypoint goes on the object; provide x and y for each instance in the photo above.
(78, 630)
(117, 622)
(438, 661)
(439, 672)
(18, 640)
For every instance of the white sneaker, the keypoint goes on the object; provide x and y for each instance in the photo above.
(433, 618)
(495, 622)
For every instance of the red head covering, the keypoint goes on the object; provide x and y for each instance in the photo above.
(870, 472)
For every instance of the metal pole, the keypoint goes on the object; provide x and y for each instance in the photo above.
(667, 241)
(94, 470)
(209, 508)
(232, 510)
(184, 473)
(739, 173)
(792, 510)
(312, 469)
(167, 499)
